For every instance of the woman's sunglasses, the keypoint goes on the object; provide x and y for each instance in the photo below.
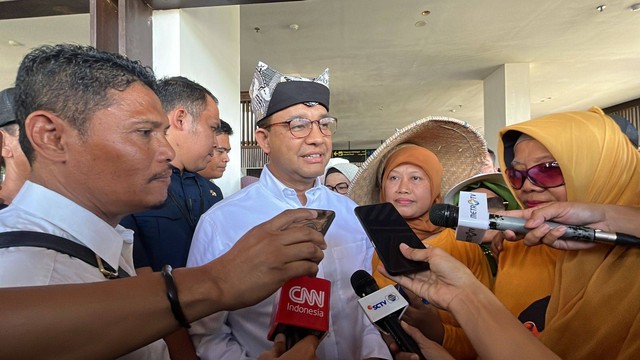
(544, 175)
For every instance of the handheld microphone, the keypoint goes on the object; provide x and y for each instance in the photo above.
(301, 309)
(384, 308)
(447, 215)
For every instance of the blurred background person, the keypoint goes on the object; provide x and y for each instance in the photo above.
(15, 166)
(338, 177)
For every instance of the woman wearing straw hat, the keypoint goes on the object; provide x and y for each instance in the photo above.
(411, 170)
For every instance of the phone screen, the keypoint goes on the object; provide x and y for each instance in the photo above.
(387, 230)
(321, 222)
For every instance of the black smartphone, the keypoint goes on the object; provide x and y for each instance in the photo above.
(387, 229)
(320, 223)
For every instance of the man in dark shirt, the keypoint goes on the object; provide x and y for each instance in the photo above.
(216, 167)
(163, 235)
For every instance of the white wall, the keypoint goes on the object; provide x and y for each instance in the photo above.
(203, 44)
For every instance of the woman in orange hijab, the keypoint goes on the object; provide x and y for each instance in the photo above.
(406, 172)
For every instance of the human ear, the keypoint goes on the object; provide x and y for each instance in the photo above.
(46, 132)
(264, 140)
(178, 118)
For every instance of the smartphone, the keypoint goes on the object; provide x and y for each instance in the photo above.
(320, 223)
(387, 229)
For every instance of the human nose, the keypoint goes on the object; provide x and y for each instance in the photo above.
(528, 185)
(403, 186)
(165, 151)
(315, 134)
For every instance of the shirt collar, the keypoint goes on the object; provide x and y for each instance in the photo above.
(85, 227)
(278, 189)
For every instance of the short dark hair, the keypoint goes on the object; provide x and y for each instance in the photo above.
(225, 128)
(73, 82)
(179, 90)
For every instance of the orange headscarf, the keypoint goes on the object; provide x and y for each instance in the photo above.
(594, 312)
(429, 163)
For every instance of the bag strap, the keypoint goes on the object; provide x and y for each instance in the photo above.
(61, 245)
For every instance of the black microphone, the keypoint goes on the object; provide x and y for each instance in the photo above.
(364, 284)
(447, 215)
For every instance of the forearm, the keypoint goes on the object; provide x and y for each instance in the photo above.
(623, 219)
(484, 319)
(98, 320)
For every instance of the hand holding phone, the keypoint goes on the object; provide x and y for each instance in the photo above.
(387, 229)
(321, 223)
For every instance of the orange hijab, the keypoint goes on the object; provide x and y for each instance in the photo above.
(429, 163)
(594, 312)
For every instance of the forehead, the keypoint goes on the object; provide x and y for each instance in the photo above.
(531, 151)
(223, 140)
(300, 110)
(135, 102)
(210, 112)
(406, 167)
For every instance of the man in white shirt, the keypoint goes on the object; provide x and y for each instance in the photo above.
(294, 129)
(94, 132)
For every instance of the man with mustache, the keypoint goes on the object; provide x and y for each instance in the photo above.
(163, 235)
(93, 130)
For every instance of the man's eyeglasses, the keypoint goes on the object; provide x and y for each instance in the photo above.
(544, 175)
(301, 127)
(340, 188)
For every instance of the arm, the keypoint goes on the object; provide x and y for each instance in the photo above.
(610, 218)
(451, 286)
(127, 314)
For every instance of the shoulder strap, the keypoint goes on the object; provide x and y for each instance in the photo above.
(61, 245)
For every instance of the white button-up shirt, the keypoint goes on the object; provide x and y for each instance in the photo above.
(242, 334)
(39, 209)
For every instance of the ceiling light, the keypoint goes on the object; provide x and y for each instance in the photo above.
(15, 43)
(294, 27)
(425, 13)
(601, 8)
(420, 23)
(635, 7)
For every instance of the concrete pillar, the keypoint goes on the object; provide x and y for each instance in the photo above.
(506, 99)
(203, 44)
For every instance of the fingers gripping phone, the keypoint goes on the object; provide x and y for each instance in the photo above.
(387, 229)
(321, 223)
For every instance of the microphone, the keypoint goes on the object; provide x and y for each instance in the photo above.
(447, 215)
(384, 307)
(300, 309)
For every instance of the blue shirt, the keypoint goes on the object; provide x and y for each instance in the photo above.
(163, 235)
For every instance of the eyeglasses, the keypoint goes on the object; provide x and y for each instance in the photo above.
(340, 188)
(301, 127)
(545, 175)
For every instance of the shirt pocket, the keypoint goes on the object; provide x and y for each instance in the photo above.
(351, 257)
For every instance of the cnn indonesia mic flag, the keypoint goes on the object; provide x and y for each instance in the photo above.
(301, 308)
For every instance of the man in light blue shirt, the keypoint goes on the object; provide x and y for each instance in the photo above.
(294, 129)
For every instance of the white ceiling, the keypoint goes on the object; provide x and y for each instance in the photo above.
(386, 72)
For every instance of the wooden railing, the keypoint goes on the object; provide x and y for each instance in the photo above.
(251, 156)
(630, 110)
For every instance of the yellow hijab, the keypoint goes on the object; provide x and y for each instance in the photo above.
(594, 312)
(429, 163)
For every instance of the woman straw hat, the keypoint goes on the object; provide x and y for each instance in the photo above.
(460, 149)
